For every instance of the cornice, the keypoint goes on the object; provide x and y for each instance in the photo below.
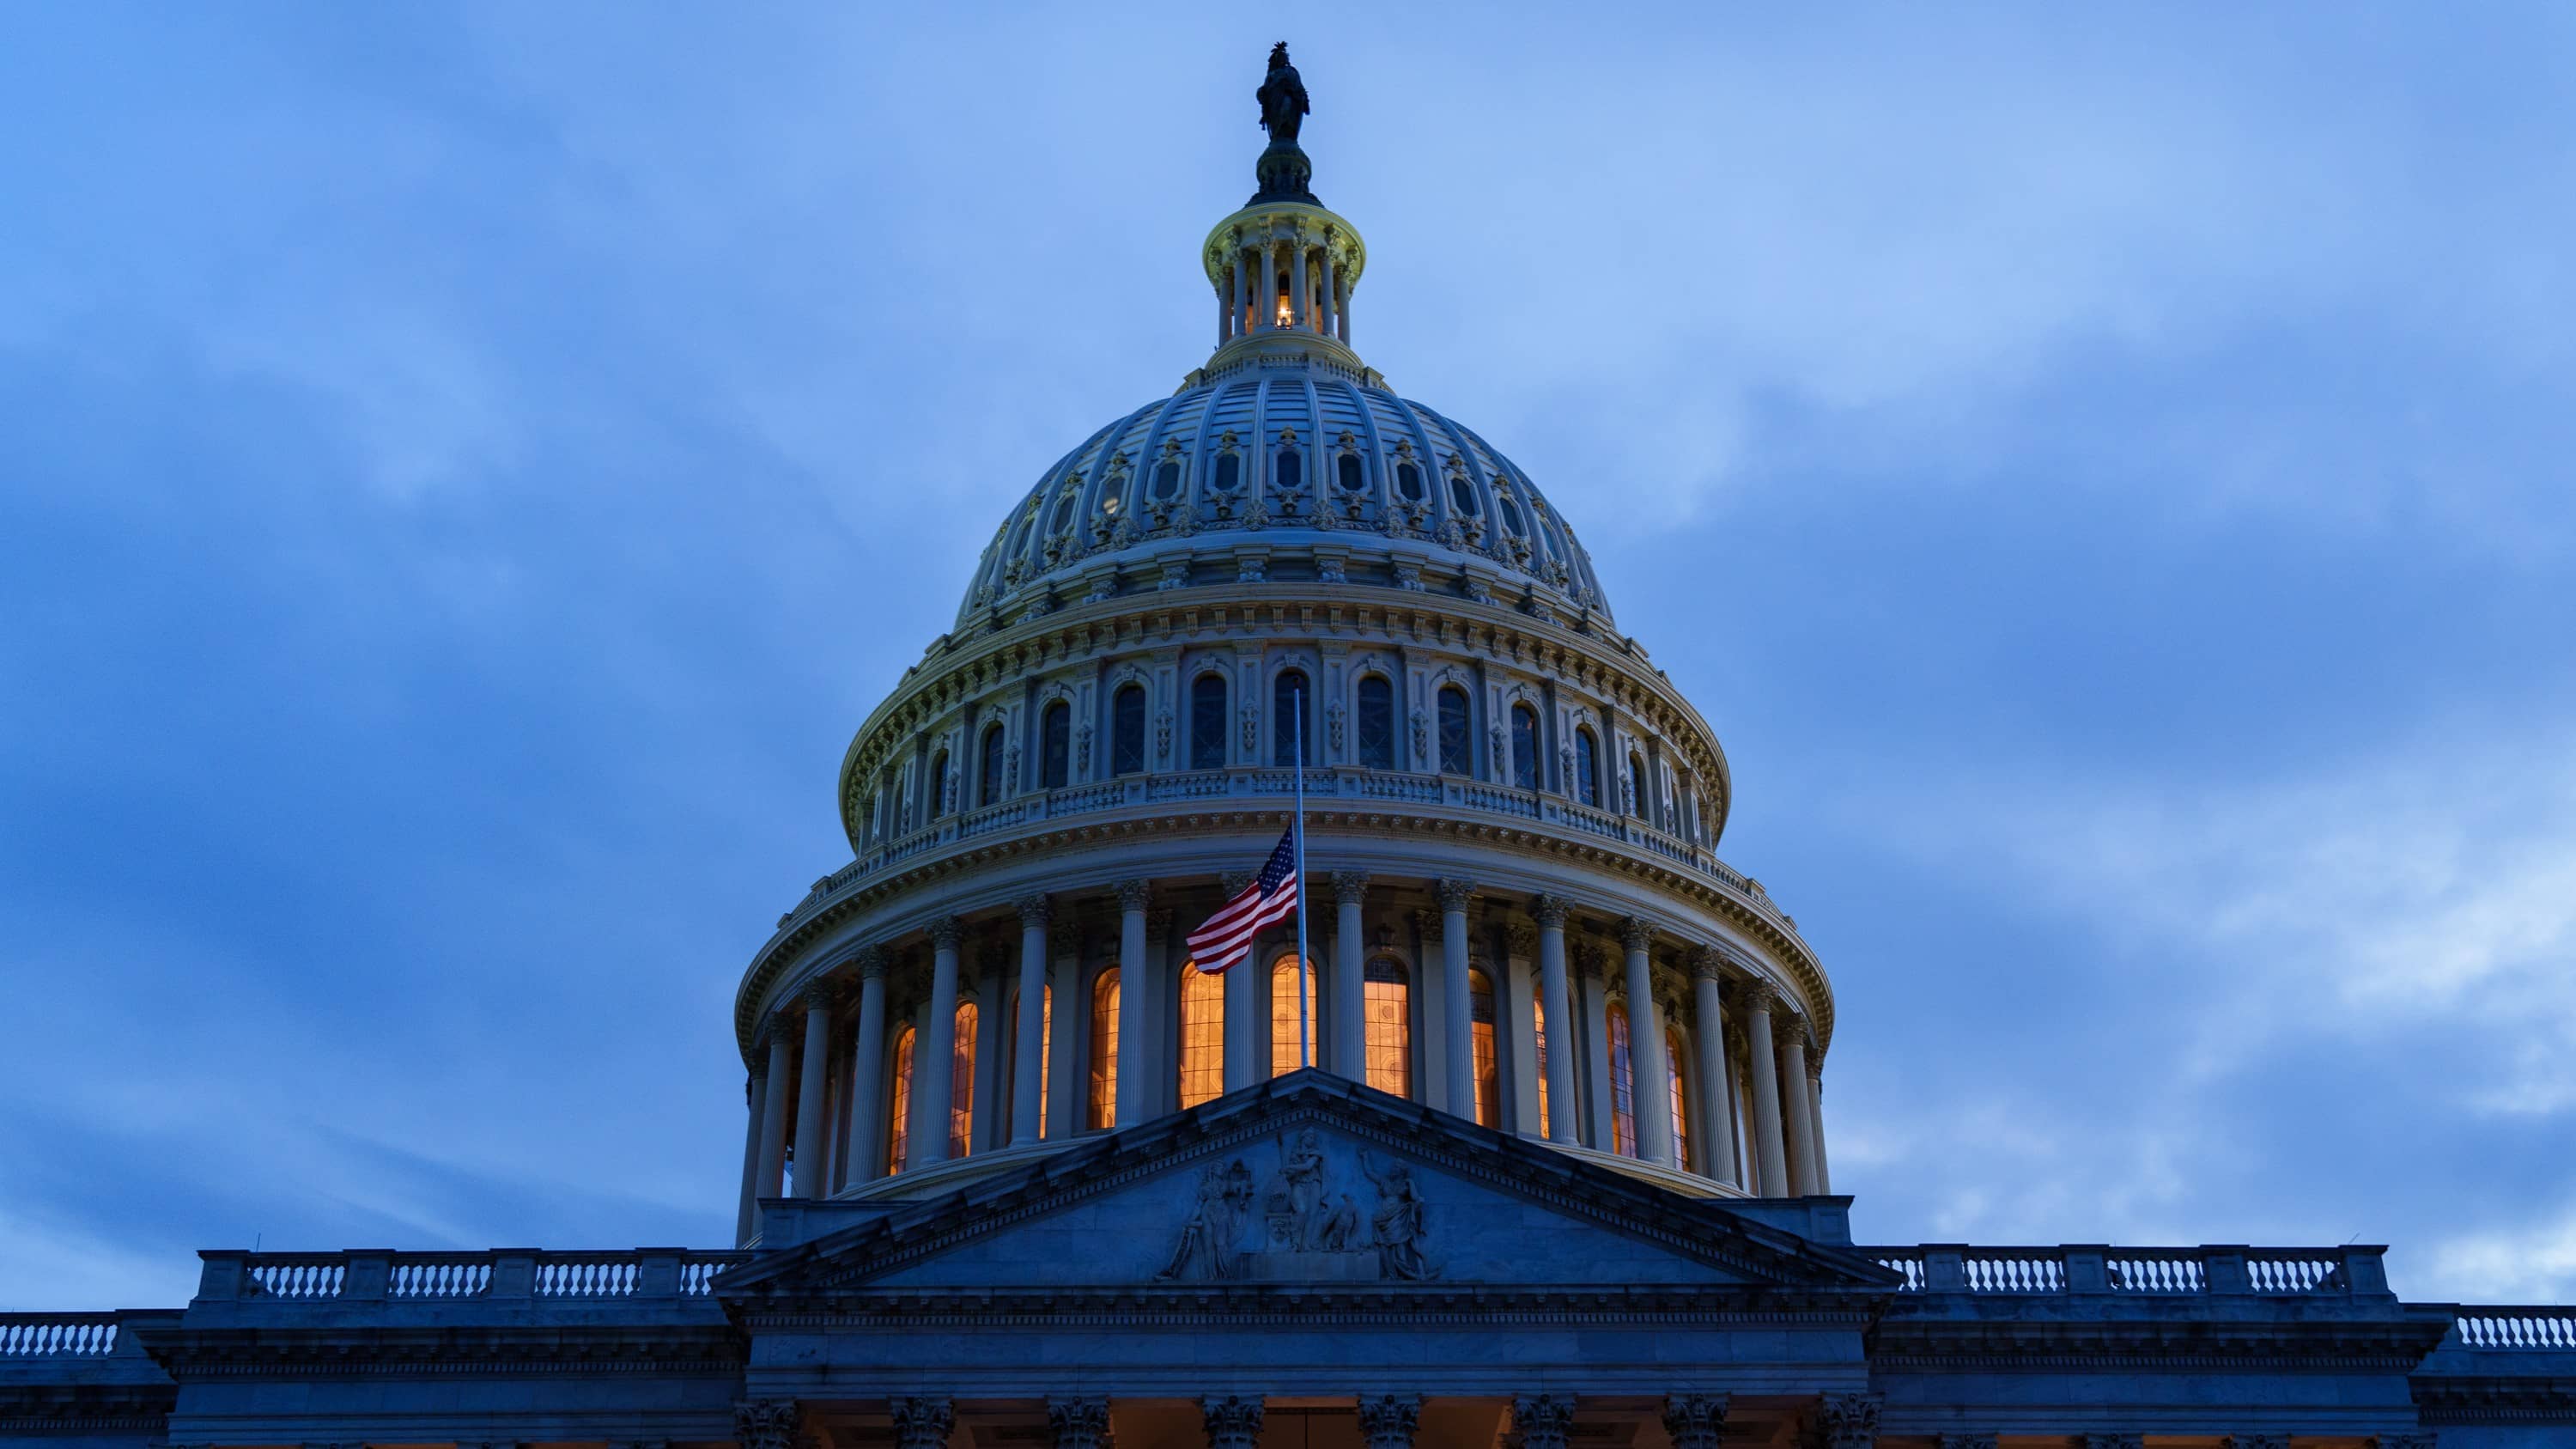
(2177, 1341)
(1754, 1308)
(690, 1350)
(1088, 833)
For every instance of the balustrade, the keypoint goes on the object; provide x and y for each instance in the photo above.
(2277, 1272)
(2510, 1328)
(57, 1335)
(419, 1277)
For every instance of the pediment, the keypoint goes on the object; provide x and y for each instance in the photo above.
(1308, 1179)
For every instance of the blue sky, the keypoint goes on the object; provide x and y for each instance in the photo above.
(464, 472)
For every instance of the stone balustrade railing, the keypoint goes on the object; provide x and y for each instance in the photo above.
(1325, 789)
(2551, 1329)
(1948, 1268)
(57, 1335)
(361, 1276)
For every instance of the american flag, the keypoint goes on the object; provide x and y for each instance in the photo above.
(1270, 899)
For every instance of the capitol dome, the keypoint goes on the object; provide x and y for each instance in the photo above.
(1282, 596)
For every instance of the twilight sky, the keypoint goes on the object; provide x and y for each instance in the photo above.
(465, 472)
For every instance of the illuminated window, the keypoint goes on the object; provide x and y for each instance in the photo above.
(1104, 1049)
(1489, 1081)
(1377, 723)
(1202, 1035)
(1524, 747)
(1046, 1051)
(1127, 731)
(1538, 1026)
(1623, 1104)
(988, 783)
(1456, 758)
(899, 1110)
(1681, 1097)
(1389, 1028)
(1207, 722)
(1284, 1056)
(961, 1103)
(1587, 769)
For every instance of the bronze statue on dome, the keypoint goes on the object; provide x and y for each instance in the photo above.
(1282, 97)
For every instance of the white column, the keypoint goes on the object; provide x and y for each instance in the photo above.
(1771, 1154)
(812, 1117)
(773, 1113)
(1224, 317)
(1717, 1120)
(1063, 1114)
(1235, 275)
(1301, 307)
(1590, 971)
(867, 1108)
(1457, 1023)
(1134, 898)
(1325, 254)
(1798, 1115)
(754, 1084)
(1342, 309)
(934, 1066)
(1028, 1034)
(1649, 1090)
(1242, 1002)
(1816, 1116)
(1564, 1108)
(1515, 1032)
(1349, 1055)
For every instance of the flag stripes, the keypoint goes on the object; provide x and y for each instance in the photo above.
(1226, 938)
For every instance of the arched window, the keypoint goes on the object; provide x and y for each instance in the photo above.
(1489, 1078)
(899, 1103)
(1408, 480)
(1229, 471)
(1046, 1052)
(1623, 1100)
(1207, 722)
(961, 1091)
(1640, 787)
(939, 784)
(988, 782)
(1524, 747)
(1055, 746)
(1353, 475)
(1290, 699)
(1283, 1013)
(1678, 1085)
(1290, 468)
(1104, 1050)
(1377, 723)
(1127, 730)
(1202, 1035)
(1389, 1027)
(1457, 756)
(1587, 769)
(1538, 1027)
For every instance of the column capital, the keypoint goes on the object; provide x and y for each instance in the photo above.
(1134, 895)
(1636, 932)
(947, 931)
(922, 1421)
(1757, 998)
(1454, 894)
(1520, 938)
(1586, 958)
(2119, 1439)
(1542, 1421)
(765, 1423)
(872, 962)
(1034, 910)
(1956, 1439)
(785, 1030)
(1233, 1421)
(1848, 1421)
(1696, 1421)
(1350, 887)
(1064, 940)
(1387, 1421)
(820, 996)
(1158, 923)
(1789, 1032)
(1707, 963)
(1078, 1423)
(1549, 911)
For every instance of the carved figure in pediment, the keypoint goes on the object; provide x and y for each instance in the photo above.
(1205, 1248)
(1301, 1170)
(1341, 1230)
(1397, 1225)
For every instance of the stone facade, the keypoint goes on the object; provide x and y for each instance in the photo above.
(1014, 1171)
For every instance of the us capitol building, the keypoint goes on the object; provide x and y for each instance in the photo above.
(1016, 1174)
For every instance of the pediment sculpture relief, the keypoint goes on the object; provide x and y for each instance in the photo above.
(1302, 1223)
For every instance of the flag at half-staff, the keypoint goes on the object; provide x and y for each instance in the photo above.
(1270, 899)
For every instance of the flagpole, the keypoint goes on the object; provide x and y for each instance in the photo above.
(1297, 717)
